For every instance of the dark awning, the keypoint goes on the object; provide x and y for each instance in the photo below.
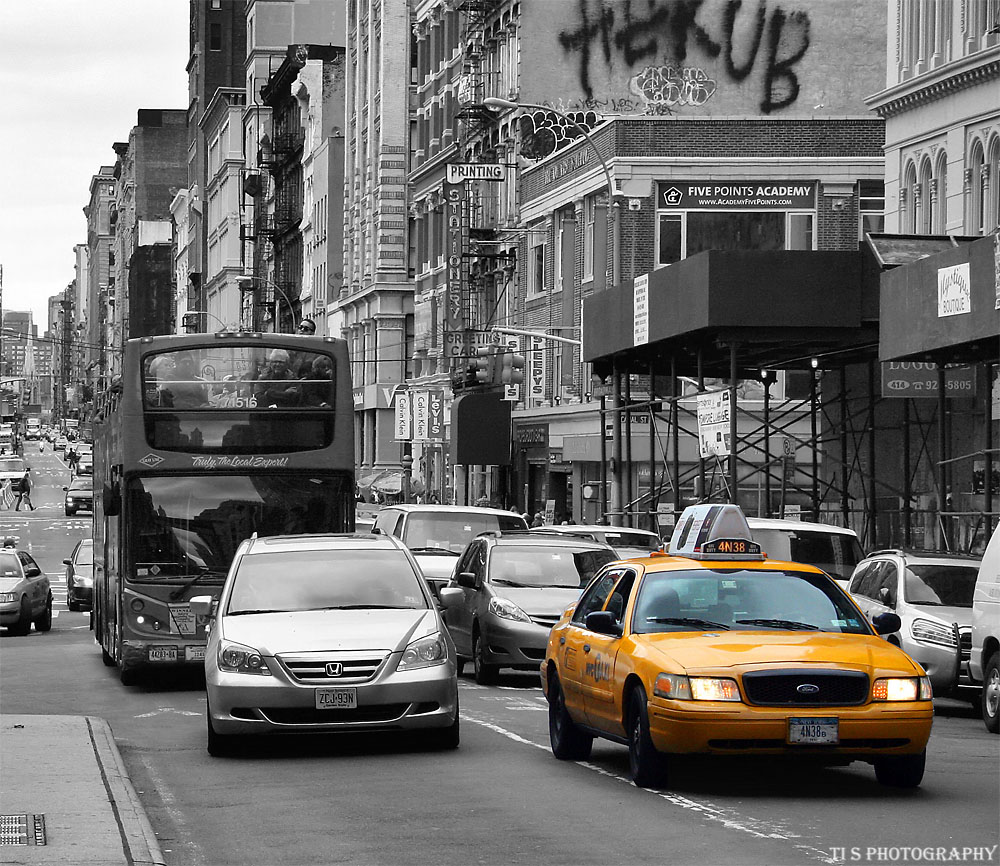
(944, 307)
(780, 308)
(389, 482)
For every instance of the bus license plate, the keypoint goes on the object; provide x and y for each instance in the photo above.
(336, 699)
(813, 732)
(162, 654)
(194, 653)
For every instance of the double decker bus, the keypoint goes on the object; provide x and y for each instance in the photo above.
(205, 440)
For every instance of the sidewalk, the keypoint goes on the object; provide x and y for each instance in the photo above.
(68, 770)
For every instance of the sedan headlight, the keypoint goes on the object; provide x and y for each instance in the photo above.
(506, 609)
(929, 631)
(424, 653)
(234, 658)
(681, 688)
(8, 597)
(83, 580)
(902, 689)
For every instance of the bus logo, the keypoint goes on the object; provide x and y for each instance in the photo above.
(151, 460)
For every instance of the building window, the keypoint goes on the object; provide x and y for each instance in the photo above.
(536, 273)
(215, 37)
(993, 177)
(589, 211)
(925, 214)
(908, 222)
(978, 190)
(682, 234)
(670, 238)
(871, 207)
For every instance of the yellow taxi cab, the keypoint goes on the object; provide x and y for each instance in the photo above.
(712, 648)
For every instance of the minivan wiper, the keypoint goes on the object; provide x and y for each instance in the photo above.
(433, 550)
(780, 623)
(184, 587)
(362, 607)
(686, 620)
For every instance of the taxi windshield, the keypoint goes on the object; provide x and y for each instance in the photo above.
(743, 599)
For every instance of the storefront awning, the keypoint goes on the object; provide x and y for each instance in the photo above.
(389, 482)
(366, 479)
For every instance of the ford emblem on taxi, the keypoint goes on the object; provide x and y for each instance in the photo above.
(334, 669)
(807, 689)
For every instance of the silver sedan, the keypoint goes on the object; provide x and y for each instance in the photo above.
(322, 633)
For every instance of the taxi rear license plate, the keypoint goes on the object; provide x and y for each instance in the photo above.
(814, 732)
(194, 653)
(162, 654)
(336, 699)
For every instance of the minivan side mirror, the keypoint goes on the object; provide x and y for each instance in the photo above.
(466, 579)
(886, 623)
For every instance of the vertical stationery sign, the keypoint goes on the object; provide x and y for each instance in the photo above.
(403, 431)
(435, 414)
(421, 415)
(954, 290)
(512, 392)
(536, 368)
(640, 310)
(454, 209)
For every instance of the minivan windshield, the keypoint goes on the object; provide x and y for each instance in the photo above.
(835, 552)
(948, 585)
(453, 530)
(535, 565)
(325, 580)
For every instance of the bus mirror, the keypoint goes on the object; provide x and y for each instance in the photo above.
(111, 500)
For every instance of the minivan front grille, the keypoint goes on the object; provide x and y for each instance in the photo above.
(544, 620)
(332, 668)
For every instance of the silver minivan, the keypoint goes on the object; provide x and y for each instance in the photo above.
(833, 548)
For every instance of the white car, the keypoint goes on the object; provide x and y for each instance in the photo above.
(984, 657)
(834, 549)
(327, 633)
(628, 543)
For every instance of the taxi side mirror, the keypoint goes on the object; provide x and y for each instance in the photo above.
(466, 579)
(603, 622)
(886, 623)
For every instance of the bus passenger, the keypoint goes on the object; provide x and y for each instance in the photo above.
(186, 389)
(317, 387)
(277, 387)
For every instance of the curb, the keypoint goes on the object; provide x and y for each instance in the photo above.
(138, 839)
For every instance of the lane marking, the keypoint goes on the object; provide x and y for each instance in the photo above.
(726, 817)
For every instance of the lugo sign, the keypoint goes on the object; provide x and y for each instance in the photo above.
(919, 379)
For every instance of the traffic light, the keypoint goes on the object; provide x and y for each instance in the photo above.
(511, 368)
(484, 365)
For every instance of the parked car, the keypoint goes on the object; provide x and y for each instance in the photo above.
(437, 534)
(60, 444)
(718, 650)
(326, 633)
(80, 575)
(12, 470)
(984, 658)
(834, 549)
(80, 494)
(508, 590)
(25, 593)
(931, 593)
(85, 466)
(626, 541)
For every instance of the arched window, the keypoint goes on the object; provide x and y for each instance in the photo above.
(992, 180)
(940, 225)
(977, 191)
(908, 221)
(923, 203)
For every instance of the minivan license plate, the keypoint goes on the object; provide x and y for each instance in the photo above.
(336, 699)
(814, 732)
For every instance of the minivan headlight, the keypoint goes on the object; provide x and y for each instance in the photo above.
(506, 609)
(235, 658)
(929, 631)
(424, 653)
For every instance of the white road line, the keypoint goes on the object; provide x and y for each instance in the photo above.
(729, 819)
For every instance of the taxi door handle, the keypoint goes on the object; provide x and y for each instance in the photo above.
(562, 640)
(586, 647)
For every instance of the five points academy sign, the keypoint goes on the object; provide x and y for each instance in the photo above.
(758, 194)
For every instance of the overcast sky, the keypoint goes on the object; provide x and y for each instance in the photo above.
(73, 75)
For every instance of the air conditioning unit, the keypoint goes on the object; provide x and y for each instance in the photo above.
(253, 184)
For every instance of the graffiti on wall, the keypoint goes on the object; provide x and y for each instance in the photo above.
(762, 43)
(545, 132)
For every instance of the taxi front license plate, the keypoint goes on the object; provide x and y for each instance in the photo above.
(162, 654)
(336, 699)
(194, 653)
(814, 732)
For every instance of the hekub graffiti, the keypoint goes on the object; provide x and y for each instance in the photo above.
(545, 132)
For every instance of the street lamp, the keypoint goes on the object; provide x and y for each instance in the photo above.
(497, 102)
(246, 284)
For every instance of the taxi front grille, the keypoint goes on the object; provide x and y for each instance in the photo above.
(806, 688)
(310, 716)
(332, 668)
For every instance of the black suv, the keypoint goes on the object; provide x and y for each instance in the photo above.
(508, 590)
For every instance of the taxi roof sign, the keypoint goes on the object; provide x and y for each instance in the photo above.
(714, 532)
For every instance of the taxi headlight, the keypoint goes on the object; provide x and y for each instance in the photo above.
(932, 632)
(714, 689)
(235, 658)
(676, 687)
(424, 653)
(506, 609)
(8, 597)
(901, 689)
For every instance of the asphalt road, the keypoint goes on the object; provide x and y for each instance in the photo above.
(499, 799)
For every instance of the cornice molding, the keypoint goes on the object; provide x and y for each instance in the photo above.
(886, 105)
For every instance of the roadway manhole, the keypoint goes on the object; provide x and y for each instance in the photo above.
(22, 829)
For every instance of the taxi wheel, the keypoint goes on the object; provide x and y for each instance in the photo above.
(568, 741)
(486, 674)
(991, 694)
(44, 622)
(23, 624)
(647, 766)
(906, 771)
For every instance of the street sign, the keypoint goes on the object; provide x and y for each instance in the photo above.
(462, 171)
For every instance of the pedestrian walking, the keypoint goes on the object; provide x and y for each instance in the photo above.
(24, 492)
